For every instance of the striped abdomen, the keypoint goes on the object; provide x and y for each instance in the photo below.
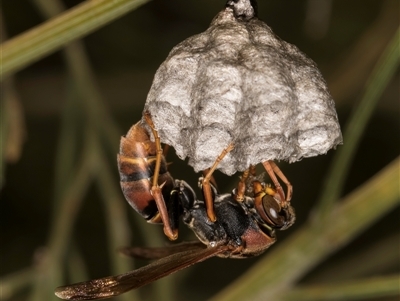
(136, 162)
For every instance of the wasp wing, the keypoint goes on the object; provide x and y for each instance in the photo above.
(157, 253)
(115, 285)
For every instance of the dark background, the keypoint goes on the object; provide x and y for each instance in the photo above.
(125, 55)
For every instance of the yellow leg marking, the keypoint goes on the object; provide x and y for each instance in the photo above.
(273, 170)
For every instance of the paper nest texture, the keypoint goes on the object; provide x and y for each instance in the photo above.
(238, 82)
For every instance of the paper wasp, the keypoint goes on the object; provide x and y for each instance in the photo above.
(245, 224)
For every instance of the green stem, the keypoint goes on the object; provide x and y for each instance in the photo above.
(378, 256)
(116, 218)
(49, 270)
(76, 266)
(46, 38)
(363, 289)
(67, 144)
(380, 77)
(12, 124)
(93, 102)
(84, 87)
(291, 259)
(4, 128)
(4, 115)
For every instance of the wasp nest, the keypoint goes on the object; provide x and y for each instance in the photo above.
(238, 82)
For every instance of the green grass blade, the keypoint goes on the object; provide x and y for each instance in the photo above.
(377, 287)
(379, 79)
(50, 36)
(291, 259)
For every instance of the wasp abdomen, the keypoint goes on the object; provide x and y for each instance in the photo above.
(136, 163)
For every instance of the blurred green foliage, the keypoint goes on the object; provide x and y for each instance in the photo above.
(63, 215)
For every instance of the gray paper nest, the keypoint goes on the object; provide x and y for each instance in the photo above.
(238, 82)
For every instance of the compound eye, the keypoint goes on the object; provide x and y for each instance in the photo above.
(273, 211)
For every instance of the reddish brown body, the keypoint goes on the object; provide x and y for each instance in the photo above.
(136, 164)
(240, 224)
(238, 232)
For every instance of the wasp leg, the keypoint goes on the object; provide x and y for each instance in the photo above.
(272, 170)
(172, 234)
(206, 184)
(165, 150)
(241, 188)
(212, 180)
(242, 185)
